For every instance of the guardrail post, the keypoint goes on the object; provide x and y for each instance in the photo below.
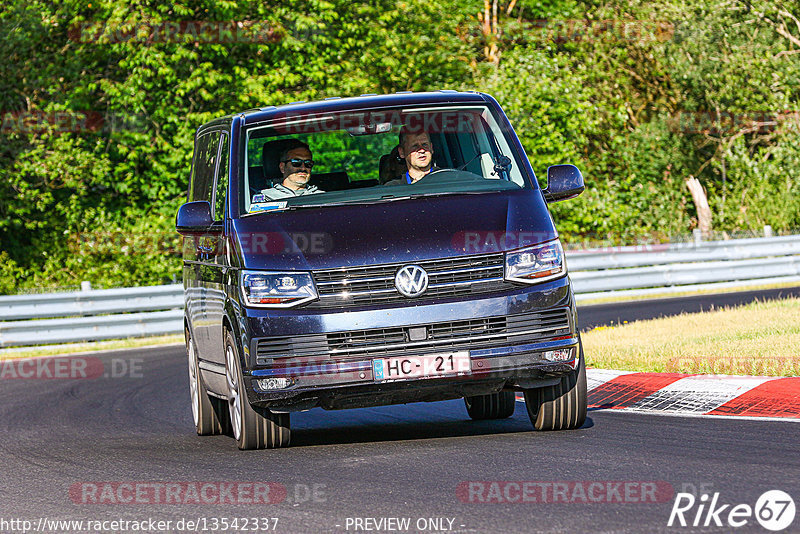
(767, 230)
(86, 286)
(698, 236)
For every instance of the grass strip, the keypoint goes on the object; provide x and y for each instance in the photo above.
(95, 346)
(757, 339)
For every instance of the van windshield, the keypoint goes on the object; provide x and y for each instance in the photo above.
(375, 156)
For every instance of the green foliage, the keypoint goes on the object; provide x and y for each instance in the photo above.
(356, 155)
(608, 92)
(9, 273)
(762, 188)
(603, 94)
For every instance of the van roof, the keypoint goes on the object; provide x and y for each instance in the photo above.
(365, 101)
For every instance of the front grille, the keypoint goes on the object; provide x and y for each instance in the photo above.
(467, 334)
(373, 284)
(282, 347)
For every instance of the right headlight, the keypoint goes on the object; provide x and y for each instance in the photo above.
(276, 289)
(535, 264)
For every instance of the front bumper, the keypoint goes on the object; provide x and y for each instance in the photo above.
(326, 358)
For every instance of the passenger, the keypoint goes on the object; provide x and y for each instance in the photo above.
(295, 166)
(416, 149)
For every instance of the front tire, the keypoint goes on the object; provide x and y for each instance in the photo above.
(493, 406)
(560, 407)
(210, 415)
(252, 427)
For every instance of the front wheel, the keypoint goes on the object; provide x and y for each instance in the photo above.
(252, 427)
(560, 407)
(209, 413)
(493, 406)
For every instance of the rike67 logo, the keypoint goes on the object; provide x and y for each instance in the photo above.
(774, 510)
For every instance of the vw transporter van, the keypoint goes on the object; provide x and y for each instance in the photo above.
(370, 251)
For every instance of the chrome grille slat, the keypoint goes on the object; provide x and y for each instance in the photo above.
(359, 293)
(466, 282)
(471, 273)
(348, 282)
(372, 284)
(465, 270)
(432, 286)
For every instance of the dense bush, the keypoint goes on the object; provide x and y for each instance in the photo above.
(626, 93)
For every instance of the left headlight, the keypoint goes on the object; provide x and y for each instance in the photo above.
(535, 264)
(276, 289)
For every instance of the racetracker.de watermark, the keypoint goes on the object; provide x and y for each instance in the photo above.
(197, 31)
(177, 492)
(485, 241)
(582, 30)
(731, 364)
(565, 492)
(70, 368)
(316, 370)
(381, 122)
(720, 122)
(68, 121)
(250, 243)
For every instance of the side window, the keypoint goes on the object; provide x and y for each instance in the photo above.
(222, 180)
(203, 165)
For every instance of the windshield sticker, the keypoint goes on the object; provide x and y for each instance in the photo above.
(266, 206)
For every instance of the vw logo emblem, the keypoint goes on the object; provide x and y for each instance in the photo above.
(411, 281)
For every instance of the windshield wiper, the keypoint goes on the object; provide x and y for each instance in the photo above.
(324, 205)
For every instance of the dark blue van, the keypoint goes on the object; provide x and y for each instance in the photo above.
(374, 250)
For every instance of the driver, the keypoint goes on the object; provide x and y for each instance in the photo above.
(295, 165)
(416, 149)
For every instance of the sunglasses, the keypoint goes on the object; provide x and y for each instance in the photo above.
(297, 162)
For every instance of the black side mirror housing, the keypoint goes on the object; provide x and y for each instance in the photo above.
(563, 182)
(194, 217)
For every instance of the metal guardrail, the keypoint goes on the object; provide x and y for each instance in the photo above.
(652, 269)
(97, 302)
(637, 270)
(694, 252)
(125, 325)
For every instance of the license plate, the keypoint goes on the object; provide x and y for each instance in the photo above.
(429, 365)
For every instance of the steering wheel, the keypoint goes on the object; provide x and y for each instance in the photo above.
(437, 171)
(451, 174)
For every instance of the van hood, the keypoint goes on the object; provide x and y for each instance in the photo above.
(398, 231)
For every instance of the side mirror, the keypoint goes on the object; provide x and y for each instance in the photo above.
(194, 217)
(563, 182)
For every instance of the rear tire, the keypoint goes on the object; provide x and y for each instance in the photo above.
(493, 406)
(560, 407)
(252, 427)
(210, 414)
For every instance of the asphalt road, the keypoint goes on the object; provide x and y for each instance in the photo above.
(398, 461)
(134, 426)
(614, 313)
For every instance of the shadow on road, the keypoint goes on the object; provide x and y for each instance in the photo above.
(392, 423)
